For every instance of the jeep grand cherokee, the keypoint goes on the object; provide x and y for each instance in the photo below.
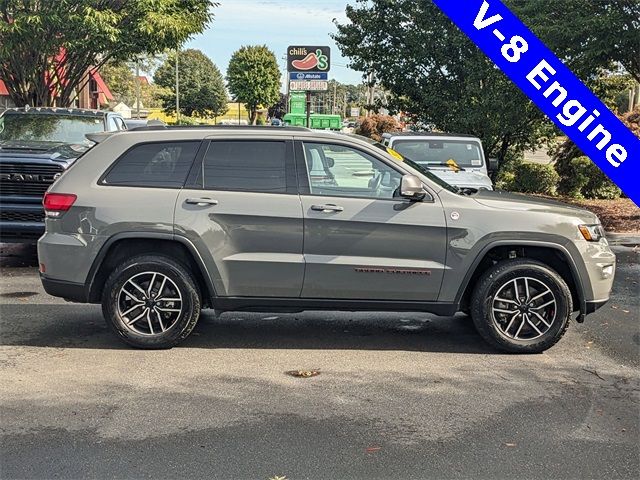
(158, 223)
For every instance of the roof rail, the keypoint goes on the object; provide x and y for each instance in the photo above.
(216, 127)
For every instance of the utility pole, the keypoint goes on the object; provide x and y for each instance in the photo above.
(177, 88)
(335, 96)
(137, 88)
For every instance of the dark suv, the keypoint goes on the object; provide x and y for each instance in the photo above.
(158, 223)
(36, 146)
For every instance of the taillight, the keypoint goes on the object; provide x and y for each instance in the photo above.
(55, 204)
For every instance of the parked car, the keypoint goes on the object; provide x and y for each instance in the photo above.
(158, 223)
(132, 123)
(36, 146)
(457, 159)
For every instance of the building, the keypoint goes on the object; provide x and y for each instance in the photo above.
(5, 100)
(94, 94)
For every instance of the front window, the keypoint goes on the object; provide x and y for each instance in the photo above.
(48, 128)
(435, 152)
(336, 170)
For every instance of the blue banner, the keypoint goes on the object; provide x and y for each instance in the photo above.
(552, 87)
(308, 75)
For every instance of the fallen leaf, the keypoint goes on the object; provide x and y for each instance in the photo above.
(372, 449)
(303, 373)
(625, 311)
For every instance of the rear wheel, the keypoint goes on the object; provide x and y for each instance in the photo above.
(521, 306)
(151, 302)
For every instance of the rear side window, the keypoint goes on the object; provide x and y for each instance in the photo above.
(154, 165)
(252, 166)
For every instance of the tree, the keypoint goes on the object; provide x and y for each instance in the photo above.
(120, 77)
(46, 48)
(437, 75)
(253, 77)
(375, 125)
(588, 35)
(202, 89)
(280, 109)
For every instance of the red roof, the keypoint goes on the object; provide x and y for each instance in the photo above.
(3, 88)
(102, 87)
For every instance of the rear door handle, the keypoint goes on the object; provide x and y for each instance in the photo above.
(201, 202)
(330, 207)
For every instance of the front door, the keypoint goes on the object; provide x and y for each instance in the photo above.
(361, 241)
(245, 214)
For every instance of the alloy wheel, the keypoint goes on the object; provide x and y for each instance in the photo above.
(149, 303)
(524, 308)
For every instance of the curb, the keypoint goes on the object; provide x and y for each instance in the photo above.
(627, 239)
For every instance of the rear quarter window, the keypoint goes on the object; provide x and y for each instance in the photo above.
(165, 164)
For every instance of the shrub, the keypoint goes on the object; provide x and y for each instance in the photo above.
(375, 125)
(260, 120)
(532, 178)
(586, 180)
(505, 181)
(579, 176)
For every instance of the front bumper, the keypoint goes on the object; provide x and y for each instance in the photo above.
(21, 220)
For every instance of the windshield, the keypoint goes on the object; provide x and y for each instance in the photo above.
(465, 153)
(27, 127)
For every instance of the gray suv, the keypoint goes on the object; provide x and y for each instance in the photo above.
(157, 223)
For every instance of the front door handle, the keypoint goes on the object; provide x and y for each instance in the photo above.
(330, 207)
(201, 202)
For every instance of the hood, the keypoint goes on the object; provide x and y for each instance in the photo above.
(463, 178)
(56, 151)
(516, 201)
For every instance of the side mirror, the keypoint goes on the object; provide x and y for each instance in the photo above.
(330, 162)
(411, 188)
(493, 165)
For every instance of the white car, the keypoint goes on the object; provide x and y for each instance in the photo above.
(457, 159)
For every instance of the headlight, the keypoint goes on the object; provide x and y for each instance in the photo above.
(591, 233)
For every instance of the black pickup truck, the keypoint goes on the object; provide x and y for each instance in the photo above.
(36, 146)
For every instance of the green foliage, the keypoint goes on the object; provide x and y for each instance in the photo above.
(579, 176)
(375, 125)
(260, 120)
(34, 36)
(121, 80)
(202, 90)
(585, 180)
(530, 178)
(590, 36)
(279, 110)
(438, 76)
(253, 78)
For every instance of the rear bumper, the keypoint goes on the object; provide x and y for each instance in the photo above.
(74, 292)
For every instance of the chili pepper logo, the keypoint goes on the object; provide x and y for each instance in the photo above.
(315, 60)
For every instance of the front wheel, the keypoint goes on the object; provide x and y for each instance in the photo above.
(151, 302)
(521, 306)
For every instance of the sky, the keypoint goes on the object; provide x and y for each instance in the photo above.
(277, 24)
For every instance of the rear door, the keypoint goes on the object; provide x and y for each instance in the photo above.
(361, 241)
(242, 209)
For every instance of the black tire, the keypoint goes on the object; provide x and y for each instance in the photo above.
(183, 283)
(499, 276)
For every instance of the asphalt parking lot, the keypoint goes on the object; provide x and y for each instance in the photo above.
(398, 395)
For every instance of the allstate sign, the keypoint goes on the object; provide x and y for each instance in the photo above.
(308, 76)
